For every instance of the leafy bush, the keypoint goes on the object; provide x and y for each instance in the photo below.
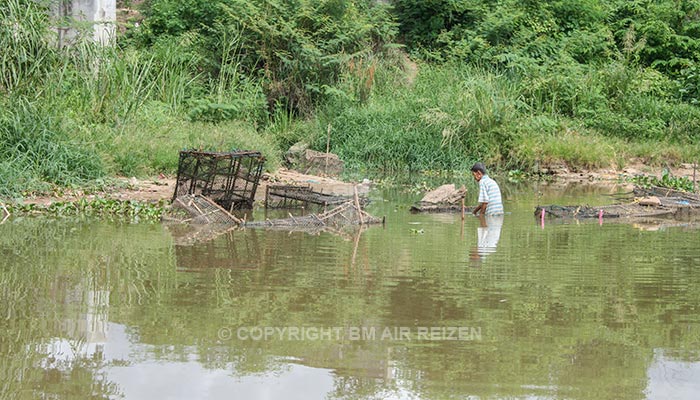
(297, 48)
(663, 35)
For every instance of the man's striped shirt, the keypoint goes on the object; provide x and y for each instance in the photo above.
(490, 193)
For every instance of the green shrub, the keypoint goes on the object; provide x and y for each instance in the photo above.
(150, 144)
(299, 48)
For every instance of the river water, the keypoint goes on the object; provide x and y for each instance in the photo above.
(425, 307)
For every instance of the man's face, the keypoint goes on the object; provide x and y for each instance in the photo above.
(477, 175)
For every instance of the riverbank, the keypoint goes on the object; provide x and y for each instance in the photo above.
(562, 172)
(161, 188)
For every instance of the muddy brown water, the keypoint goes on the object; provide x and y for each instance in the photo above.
(423, 308)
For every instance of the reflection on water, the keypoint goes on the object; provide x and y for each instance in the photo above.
(580, 311)
(488, 235)
(672, 377)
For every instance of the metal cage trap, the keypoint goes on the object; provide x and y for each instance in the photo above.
(228, 178)
(301, 196)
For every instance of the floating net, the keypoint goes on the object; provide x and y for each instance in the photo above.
(669, 203)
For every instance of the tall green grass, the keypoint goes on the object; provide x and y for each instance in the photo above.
(454, 114)
(35, 150)
(446, 119)
(26, 53)
(151, 141)
(440, 121)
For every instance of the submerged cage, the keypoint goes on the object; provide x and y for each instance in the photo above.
(228, 178)
(298, 196)
(346, 214)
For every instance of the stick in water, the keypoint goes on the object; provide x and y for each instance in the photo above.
(328, 149)
(7, 214)
(357, 204)
(542, 218)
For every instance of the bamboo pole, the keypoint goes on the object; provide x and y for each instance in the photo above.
(355, 246)
(328, 149)
(357, 204)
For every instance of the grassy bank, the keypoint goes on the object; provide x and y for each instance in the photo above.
(451, 115)
(443, 118)
(41, 147)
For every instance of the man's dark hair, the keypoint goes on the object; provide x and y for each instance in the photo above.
(479, 167)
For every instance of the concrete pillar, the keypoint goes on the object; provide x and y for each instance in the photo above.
(97, 17)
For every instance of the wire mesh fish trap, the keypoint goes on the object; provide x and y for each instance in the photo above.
(228, 178)
(669, 203)
(202, 210)
(348, 213)
(297, 196)
(667, 193)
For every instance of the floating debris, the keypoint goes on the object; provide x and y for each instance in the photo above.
(207, 220)
(198, 211)
(652, 202)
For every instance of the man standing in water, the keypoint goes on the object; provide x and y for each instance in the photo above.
(490, 211)
(489, 193)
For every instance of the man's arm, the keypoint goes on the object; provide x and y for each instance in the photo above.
(480, 208)
(483, 199)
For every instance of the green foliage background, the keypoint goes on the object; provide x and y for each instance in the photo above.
(403, 85)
